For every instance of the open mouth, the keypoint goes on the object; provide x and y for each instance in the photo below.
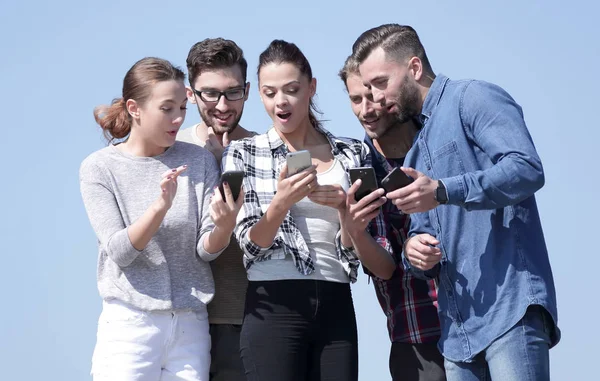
(172, 132)
(284, 116)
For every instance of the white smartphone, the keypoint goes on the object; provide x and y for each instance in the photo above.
(298, 161)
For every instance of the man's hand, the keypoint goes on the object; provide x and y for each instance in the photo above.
(421, 251)
(416, 197)
(215, 146)
(360, 213)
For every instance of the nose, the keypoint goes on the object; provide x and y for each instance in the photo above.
(179, 120)
(366, 107)
(280, 99)
(378, 95)
(222, 105)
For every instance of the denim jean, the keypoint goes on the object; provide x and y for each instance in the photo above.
(521, 354)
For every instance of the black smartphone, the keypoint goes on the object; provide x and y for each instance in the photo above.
(396, 179)
(369, 181)
(234, 179)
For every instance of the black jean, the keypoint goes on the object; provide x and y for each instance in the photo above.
(299, 330)
(416, 362)
(225, 360)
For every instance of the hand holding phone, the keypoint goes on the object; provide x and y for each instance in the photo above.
(234, 179)
(368, 179)
(297, 162)
(396, 179)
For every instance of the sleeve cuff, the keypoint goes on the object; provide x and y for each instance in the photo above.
(120, 249)
(456, 190)
(205, 255)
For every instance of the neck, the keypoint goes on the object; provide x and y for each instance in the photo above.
(397, 141)
(302, 137)
(238, 133)
(136, 146)
(424, 86)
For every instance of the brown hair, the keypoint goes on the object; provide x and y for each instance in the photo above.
(398, 41)
(279, 52)
(212, 54)
(350, 67)
(137, 85)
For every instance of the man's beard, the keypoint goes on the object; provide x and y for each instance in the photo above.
(219, 129)
(408, 102)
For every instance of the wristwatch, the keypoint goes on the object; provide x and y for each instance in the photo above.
(441, 194)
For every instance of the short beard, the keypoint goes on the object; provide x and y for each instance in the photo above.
(220, 130)
(408, 102)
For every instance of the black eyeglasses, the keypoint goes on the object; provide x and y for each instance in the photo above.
(215, 96)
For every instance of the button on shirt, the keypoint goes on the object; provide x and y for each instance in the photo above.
(494, 257)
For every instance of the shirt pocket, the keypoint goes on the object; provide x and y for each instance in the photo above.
(447, 161)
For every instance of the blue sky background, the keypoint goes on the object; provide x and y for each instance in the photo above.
(62, 58)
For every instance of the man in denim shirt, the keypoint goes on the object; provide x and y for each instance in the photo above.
(475, 223)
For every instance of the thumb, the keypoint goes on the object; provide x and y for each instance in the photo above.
(225, 139)
(283, 173)
(428, 239)
(412, 172)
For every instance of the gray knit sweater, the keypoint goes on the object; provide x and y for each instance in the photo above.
(172, 272)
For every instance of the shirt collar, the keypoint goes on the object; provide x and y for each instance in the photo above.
(433, 97)
(276, 143)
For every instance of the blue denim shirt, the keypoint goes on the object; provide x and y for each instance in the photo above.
(494, 257)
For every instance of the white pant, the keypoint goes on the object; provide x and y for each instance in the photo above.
(134, 345)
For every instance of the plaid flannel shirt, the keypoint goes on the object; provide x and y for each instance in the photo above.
(261, 158)
(409, 303)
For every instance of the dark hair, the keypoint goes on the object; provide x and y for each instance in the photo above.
(350, 67)
(212, 54)
(400, 41)
(279, 52)
(137, 85)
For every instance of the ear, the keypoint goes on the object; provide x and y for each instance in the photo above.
(313, 87)
(190, 94)
(247, 91)
(415, 66)
(133, 109)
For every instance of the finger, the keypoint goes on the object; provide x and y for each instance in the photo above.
(376, 194)
(240, 200)
(217, 196)
(212, 138)
(371, 208)
(228, 194)
(179, 170)
(422, 249)
(174, 172)
(411, 172)
(225, 139)
(309, 178)
(283, 173)
(428, 239)
(352, 191)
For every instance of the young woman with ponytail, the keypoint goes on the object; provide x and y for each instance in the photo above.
(299, 322)
(148, 199)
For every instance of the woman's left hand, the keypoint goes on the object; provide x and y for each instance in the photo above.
(329, 195)
(224, 211)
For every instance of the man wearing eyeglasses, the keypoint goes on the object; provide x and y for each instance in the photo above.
(217, 73)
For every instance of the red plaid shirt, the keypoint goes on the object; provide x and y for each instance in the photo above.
(409, 303)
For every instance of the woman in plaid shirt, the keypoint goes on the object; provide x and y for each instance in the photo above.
(299, 319)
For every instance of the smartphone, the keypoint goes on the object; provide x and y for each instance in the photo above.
(369, 181)
(234, 179)
(396, 179)
(298, 161)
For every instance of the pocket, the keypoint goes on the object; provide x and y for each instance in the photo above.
(117, 312)
(447, 161)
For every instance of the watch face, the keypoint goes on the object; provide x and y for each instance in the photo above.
(440, 195)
